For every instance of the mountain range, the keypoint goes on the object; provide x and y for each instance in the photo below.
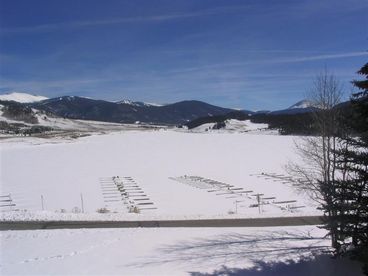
(125, 111)
(74, 107)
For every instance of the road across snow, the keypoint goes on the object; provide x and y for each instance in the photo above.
(238, 222)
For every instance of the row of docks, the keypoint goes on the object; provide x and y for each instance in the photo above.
(212, 186)
(282, 178)
(123, 191)
(237, 193)
(7, 203)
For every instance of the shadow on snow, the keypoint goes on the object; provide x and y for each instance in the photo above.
(262, 253)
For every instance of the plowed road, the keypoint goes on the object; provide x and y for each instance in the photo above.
(243, 222)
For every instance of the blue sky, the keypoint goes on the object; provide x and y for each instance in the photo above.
(253, 54)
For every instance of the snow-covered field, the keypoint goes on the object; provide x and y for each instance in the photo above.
(175, 170)
(62, 172)
(171, 251)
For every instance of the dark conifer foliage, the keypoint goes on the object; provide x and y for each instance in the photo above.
(288, 124)
(350, 196)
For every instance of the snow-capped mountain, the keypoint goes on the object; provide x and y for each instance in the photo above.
(21, 97)
(302, 104)
(129, 102)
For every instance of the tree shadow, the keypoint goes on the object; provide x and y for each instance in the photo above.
(318, 265)
(248, 253)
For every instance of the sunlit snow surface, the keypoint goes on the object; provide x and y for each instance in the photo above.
(171, 251)
(62, 171)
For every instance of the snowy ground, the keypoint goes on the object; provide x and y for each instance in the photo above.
(160, 251)
(61, 172)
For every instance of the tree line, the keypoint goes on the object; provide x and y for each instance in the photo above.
(334, 170)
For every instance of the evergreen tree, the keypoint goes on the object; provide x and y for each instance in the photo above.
(360, 156)
(360, 105)
(335, 164)
(350, 197)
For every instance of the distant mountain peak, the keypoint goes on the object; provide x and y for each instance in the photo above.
(302, 104)
(21, 97)
(125, 102)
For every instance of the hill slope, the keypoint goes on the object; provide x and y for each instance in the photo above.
(21, 97)
(99, 110)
